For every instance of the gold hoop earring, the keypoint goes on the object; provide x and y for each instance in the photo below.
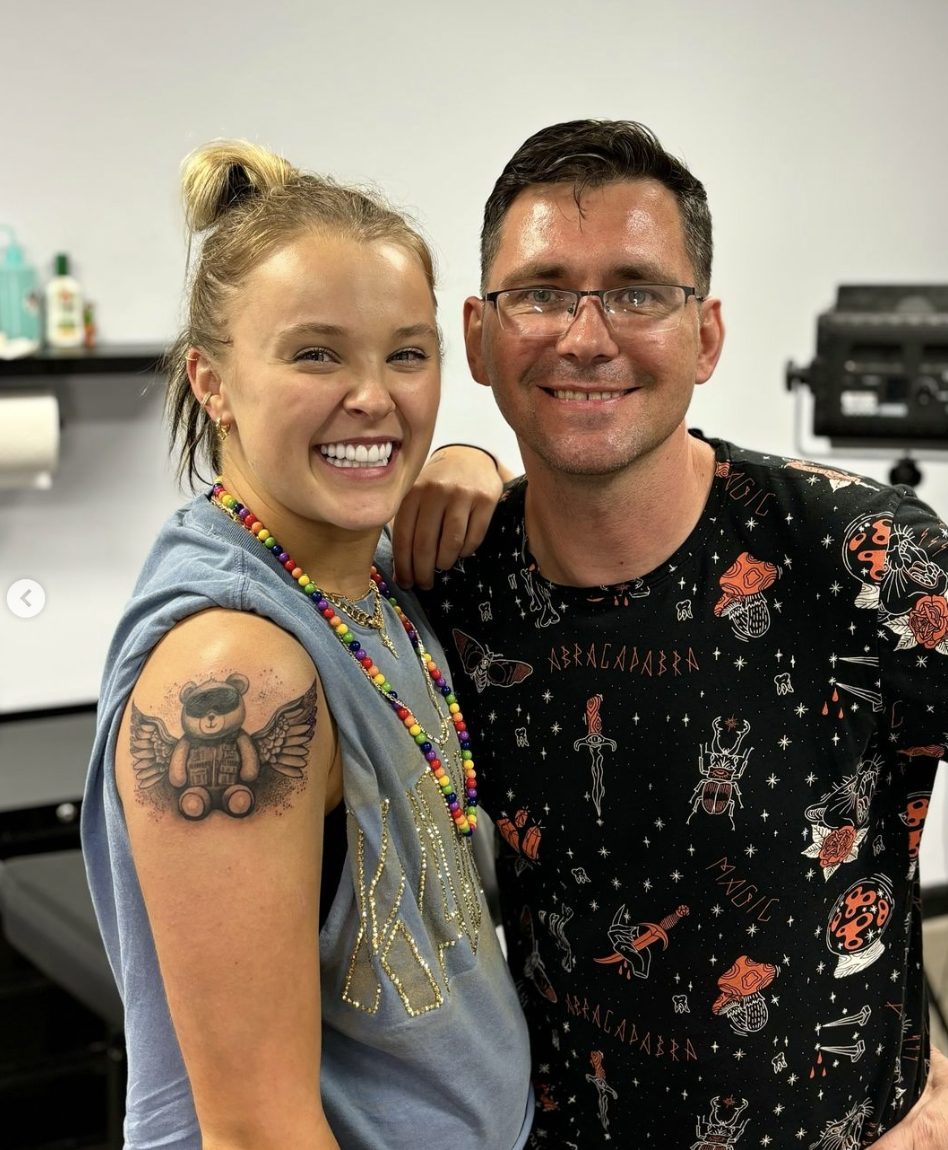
(223, 430)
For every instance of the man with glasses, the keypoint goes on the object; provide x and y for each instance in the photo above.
(713, 691)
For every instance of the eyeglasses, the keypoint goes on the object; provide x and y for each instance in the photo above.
(547, 312)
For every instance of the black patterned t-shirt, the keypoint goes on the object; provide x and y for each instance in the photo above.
(710, 786)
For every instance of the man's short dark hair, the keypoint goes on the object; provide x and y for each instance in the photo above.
(591, 153)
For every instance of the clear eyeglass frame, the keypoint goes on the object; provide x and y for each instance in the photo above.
(542, 312)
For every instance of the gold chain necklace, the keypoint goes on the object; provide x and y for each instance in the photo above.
(376, 620)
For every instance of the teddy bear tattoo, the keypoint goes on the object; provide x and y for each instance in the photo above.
(216, 764)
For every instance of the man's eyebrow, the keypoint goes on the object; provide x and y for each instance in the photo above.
(644, 272)
(545, 272)
(534, 273)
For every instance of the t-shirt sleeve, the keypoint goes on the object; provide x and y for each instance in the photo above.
(913, 629)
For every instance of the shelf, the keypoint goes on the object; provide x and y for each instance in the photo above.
(110, 359)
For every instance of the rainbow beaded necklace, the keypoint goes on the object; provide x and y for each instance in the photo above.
(464, 816)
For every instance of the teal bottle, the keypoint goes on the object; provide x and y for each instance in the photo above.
(19, 301)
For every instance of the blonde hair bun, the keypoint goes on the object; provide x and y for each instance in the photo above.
(223, 173)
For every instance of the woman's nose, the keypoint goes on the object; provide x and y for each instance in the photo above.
(369, 395)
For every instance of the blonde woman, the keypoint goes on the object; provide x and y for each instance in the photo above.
(280, 805)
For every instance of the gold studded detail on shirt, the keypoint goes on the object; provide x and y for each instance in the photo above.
(448, 901)
(388, 942)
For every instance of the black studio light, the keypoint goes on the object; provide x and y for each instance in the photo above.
(880, 376)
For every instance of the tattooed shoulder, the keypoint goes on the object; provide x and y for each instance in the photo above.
(200, 760)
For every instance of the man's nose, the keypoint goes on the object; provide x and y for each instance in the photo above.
(589, 336)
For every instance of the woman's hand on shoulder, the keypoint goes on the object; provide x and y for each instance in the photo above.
(226, 765)
(446, 514)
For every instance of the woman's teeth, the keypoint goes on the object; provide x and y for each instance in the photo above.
(356, 454)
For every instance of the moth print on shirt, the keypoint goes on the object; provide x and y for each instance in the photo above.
(486, 668)
(742, 600)
(721, 765)
(215, 765)
(741, 1000)
(722, 1127)
(594, 741)
(859, 918)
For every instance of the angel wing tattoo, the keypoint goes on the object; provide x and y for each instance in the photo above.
(215, 765)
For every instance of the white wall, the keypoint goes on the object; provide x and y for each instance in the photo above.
(819, 130)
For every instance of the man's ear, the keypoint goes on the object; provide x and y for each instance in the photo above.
(710, 339)
(473, 334)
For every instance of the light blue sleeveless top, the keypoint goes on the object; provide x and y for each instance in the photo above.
(424, 984)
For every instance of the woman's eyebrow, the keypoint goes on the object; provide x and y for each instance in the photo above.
(412, 331)
(314, 328)
(331, 330)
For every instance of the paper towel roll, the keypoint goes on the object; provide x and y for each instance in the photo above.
(29, 439)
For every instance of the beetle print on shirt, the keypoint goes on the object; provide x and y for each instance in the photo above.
(721, 766)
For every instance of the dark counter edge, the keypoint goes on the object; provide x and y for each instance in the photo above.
(48, 712)
(109, 359)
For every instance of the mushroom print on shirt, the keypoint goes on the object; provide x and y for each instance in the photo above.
(710, 785)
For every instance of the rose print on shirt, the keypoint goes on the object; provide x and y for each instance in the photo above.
(834, 846)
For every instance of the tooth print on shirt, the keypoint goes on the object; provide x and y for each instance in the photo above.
(709, 786)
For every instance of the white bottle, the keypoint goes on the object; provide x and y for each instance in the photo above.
(63, 308)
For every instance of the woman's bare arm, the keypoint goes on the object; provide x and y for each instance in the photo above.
(228, 716)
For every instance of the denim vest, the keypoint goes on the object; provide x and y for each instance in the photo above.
(423, 984)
